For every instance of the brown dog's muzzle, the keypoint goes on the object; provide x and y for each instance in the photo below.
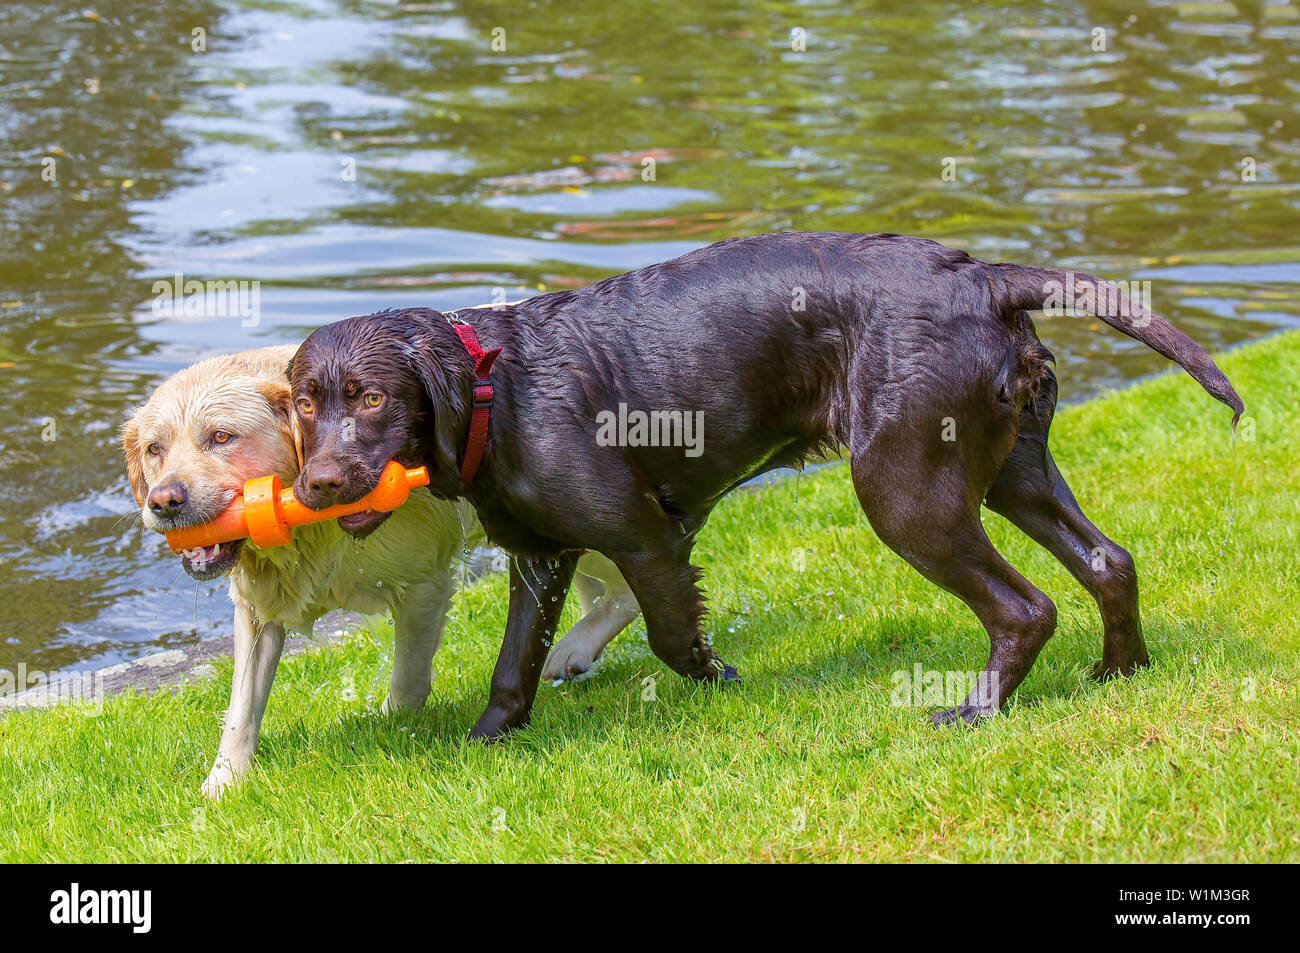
(323, 481)
(333, 473)
(328, 480)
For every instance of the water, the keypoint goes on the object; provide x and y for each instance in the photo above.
(481, 172)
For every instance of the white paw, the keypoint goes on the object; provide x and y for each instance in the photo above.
(570, 658)
(220, 780)
(393, 704)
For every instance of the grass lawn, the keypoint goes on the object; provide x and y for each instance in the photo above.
(1195, 759)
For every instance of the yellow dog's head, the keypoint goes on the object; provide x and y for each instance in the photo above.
(202, 434)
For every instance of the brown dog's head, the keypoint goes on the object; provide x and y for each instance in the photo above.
(201, 434)
(395, 385)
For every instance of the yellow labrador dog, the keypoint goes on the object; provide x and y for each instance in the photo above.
(212, 426)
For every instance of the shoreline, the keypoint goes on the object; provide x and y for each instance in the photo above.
(171, 667)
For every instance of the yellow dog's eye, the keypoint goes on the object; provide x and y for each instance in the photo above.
(222, 436)
(374, 400)
(153, 449)
(304, 406)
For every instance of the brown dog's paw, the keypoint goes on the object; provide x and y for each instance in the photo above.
(1104, 671)
(488, 735)
(494, 725)
(720, 671)
(963, 714)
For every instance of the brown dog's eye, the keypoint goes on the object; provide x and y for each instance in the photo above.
(222, 436)
(374, 400)
(153, 449)
(304, 406)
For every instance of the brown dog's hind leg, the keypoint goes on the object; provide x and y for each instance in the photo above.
(1032, 494)
(929, 515)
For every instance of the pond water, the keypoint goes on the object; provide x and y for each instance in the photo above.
(351, 155)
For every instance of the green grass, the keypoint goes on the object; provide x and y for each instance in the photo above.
(1195, 759)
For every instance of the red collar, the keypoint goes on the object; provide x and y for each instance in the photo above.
(478, 421)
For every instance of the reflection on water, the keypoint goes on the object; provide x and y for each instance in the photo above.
(352, 155)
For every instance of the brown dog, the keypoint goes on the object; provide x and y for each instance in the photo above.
(920, 360)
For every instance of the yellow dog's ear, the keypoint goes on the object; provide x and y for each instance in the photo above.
(277, 395)
(134, 468)
(293, 418)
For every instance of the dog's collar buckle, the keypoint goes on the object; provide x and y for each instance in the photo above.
(481, 407)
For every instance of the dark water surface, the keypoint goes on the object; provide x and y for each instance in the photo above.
(481, 172)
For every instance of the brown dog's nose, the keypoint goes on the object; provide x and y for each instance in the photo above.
(325, 480)
(168, 500)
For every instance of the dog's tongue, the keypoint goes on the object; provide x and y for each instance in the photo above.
(203, 554)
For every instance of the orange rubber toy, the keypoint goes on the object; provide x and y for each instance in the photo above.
(266, 513)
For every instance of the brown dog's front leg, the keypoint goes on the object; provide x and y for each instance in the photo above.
(538, 588)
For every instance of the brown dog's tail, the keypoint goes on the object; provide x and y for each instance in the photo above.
(1038, 289)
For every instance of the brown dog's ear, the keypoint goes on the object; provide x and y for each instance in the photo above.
(134, 468)
(443, 367)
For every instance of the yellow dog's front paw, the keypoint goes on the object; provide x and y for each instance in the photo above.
(220, 779)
